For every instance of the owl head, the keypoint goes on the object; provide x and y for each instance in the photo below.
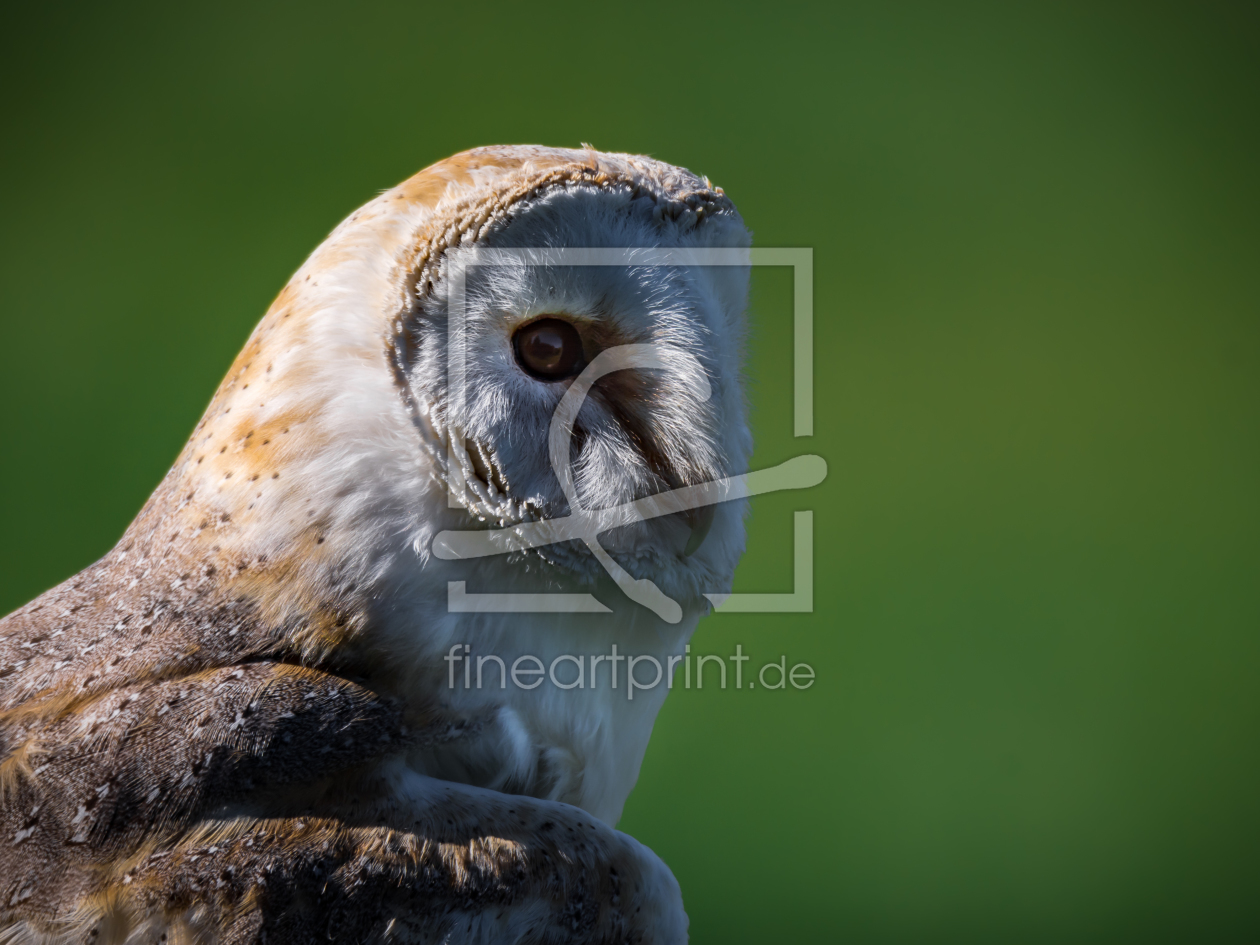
(407, 381)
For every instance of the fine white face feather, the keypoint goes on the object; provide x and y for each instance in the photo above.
(640, 432)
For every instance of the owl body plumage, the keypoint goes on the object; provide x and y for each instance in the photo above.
(238, 725)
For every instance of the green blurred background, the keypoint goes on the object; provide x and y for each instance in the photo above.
(1037, 618)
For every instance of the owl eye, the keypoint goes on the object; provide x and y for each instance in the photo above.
(548, 349)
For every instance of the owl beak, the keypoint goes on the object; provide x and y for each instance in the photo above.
(701, 520)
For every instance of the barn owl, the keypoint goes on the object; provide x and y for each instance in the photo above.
(251, 720)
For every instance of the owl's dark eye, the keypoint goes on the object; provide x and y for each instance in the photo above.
(548, 349)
